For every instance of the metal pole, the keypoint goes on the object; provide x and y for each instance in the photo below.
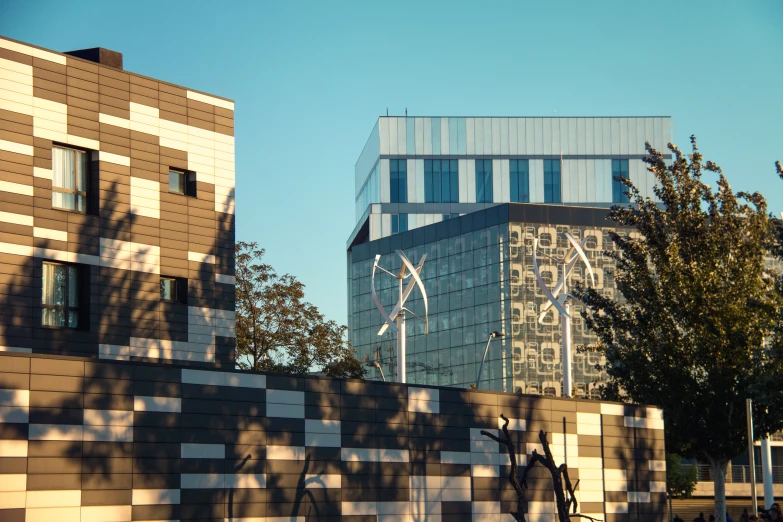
(401, 341)
(481, 366)
(751, 456)
(565, 327)
(766, 471)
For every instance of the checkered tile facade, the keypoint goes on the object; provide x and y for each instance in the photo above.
(85, 440)
(135, 230)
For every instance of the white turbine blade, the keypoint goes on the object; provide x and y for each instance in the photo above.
(542, 283)
(388, 320)
(582, 254)
(406, 291)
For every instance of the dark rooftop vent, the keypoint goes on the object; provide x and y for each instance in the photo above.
(99, 55)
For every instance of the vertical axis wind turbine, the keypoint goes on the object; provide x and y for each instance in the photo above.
(395, 321)
(559, 299)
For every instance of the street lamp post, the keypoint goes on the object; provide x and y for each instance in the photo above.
(486, 349)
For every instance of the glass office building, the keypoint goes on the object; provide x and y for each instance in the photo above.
(471, 194)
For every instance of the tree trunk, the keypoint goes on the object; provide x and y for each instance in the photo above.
(718, 469)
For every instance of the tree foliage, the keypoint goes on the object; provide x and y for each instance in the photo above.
(699, 304)
(277, 331)
(681, 479)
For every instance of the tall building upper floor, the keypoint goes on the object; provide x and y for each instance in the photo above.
(415, 171)
(116, 211)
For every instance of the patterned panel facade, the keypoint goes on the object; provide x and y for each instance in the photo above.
(583, 149)
(85, 441)
(134, 229)
(479, 279)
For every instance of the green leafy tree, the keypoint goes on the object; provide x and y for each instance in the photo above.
(698, 306)
(277, 331)
(680, 479)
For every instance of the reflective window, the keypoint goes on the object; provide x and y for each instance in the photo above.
(441, 181)
(552, 192)
(398, 181)
(177, 183)
(399, 223)
(619, 170)
(69, 179)
(483, 181)
(168, 289)
(60, 295)
(519, 181)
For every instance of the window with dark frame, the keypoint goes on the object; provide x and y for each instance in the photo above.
(168, 289)
(484, 181)
(399, 223)
(60, 295)
(69, 178)
(519, 180)
(619, 170)
(398, 181)
(178, 182)
(552, 187)
(441, 181)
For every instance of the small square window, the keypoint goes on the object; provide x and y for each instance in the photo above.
(168, 289)
(182, 182)
(173, 290)
(177, 182)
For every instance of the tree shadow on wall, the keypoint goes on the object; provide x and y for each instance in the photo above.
(95, 421)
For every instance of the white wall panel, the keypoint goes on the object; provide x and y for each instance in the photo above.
(383, 134)
(572, 136)
(530, 136)
(487, 127)
(479, 135)
(471, 181)
(537, 181)
(435, 125)
(495, 136)
(386, 225)
(615, 133)
(605, 179)
(581, 180)
(504, 137)
(463, 179)
(410, 136)
(470, 136)
(606, 124)
(497, 181)
(592, 187)
(581, 129)
(419, 133)
(659, 134)
(570, 166)
(402, 136)
(461, 135)
(410, 167)
(623, 135)
(505, 182)
(513, 144)
(375, 227)
(566, 190)
(393, 143)
(598, 142)
(639, 137)
(385, 193)
(538, 125)
(548, 137)
(445, 136)
(419, 181)
(631, 145)
(427, 135)
(560, 132)
(520, 125)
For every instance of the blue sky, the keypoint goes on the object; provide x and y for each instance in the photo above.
(310, 78)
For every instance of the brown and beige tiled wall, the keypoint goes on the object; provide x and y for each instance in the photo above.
(86, 440)
(134, 231)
